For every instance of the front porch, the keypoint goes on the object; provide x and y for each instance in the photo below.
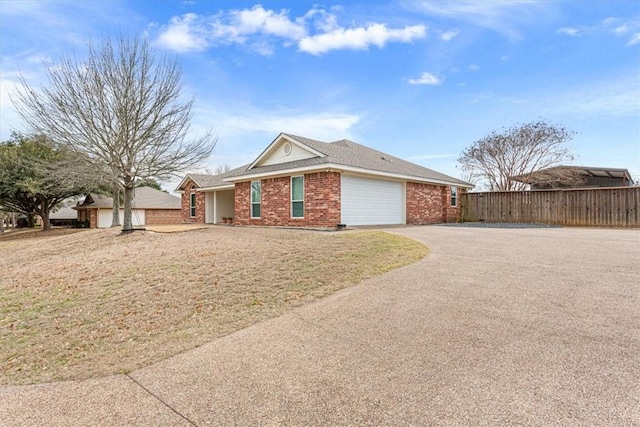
(218, 204)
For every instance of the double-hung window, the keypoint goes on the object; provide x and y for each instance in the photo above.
(454, 196)
(256, 194)
(192, 205)
(297, 197)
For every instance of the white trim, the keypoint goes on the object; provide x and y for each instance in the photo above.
(187, 176)
(269, 148)
(453, 205)
(216, 188)
(334, 167)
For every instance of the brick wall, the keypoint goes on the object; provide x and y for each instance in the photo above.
(188, 188)
(321, 202)
(451, 213)
(431, 204)
(163, 216)
(93, 218)
(322, 199)
(424, 203)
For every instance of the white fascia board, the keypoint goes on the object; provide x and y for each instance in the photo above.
(217, 187)
(275, 141)
(187, 176)
(333, 167)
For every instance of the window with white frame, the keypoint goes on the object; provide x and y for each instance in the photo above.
(256, 197)
(192, 204)
(454, 196)
(297, 197)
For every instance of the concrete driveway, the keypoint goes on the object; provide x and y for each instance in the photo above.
(494, 327)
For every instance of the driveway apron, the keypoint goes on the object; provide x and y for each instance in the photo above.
(494, 327)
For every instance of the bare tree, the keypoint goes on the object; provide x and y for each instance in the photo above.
(123, 108)
(516, 151)
(218, 170)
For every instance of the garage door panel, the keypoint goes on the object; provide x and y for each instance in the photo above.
(366, 201)
(105, 217)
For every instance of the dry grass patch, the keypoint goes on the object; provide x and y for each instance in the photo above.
(95, 303)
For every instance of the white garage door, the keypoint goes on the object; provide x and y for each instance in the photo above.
(366, 201)
(105, 217)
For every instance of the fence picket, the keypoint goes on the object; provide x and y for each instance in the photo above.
(612, 207)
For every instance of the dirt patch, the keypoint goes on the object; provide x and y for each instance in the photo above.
(96, 303)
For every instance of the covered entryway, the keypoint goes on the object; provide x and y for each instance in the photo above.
(218, 205)
(368, 201)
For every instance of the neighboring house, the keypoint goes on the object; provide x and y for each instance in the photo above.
(64, 215)
(150, 206)
(576, 177)
(298, 181)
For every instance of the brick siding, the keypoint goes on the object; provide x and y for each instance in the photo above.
(190, 187)
(430, 204)
(321, 202)
(162, 216)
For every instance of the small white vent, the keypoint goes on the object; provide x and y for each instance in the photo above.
(286, 148)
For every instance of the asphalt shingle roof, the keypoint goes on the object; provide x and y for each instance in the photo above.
(144, 198)
(349, 153)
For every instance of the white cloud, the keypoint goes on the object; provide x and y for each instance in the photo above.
(635, 39)
(426, 79)
(359, 38)
(502, 16)
(448, 35)
(259, 29)
(259, 20)
(570, 31)
(612, 25)
(185, 33)
(474, 67)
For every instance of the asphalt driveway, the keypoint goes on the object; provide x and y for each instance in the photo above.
(493, 327)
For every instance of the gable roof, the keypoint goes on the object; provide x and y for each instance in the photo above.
(143, 198)
(204, 181)
(347, 156)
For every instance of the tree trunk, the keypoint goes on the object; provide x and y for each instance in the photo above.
(1, 223)
(46, 224)
(31, 221)
(14, 221)
(115, 221)
(128, 201)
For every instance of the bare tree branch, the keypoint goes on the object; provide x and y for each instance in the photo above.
(516, 151)
(122, 108)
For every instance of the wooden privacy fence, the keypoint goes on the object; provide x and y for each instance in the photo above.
(613, 207)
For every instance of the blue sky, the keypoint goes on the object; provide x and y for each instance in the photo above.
(420, 80)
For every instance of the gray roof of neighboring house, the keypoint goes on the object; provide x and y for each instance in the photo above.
(64, 212)
(349, 153)
(143, 198)
(586, 170)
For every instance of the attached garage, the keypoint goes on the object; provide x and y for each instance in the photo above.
(105, 217)
(151, 207)
(368, 201)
